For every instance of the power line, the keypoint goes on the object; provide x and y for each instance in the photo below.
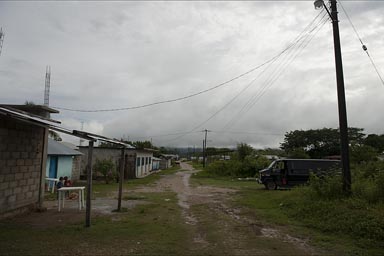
(193, 94)
(294, 43)
(247, 132)
(278, 71)
(298, 39)
(180, 98)
(362, 44)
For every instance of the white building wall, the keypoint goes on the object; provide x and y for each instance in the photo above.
(145, 163)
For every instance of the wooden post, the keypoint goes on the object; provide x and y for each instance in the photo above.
(121, 178)
(89, 185)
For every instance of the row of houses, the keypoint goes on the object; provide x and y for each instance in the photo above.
(28, 157)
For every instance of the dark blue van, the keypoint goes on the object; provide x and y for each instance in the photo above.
(285, 173)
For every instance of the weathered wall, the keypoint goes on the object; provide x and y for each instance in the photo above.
(21, 153)
(76, 168)
(132, 169)
(99, 153)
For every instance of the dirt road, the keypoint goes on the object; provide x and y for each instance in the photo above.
(209, 222)
(218, 228)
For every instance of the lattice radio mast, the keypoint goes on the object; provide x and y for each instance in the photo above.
(47, 85)
(1, 39)
(82, 127)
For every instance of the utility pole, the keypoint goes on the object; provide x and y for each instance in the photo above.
(344, 143)
(341, 101)
(121, 178)
(89, 185)
(203, 153)
(205, 147)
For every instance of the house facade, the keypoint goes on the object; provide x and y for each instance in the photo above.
(143, 161)
(62, 161)
(23, 150)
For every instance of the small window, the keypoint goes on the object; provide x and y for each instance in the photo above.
(142, 161)
(138, 161)
(150, 160)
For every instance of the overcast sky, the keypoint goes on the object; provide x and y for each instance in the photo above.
(106, 55)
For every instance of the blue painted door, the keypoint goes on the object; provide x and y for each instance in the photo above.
(53, 167)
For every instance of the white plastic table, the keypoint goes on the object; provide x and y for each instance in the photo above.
(61, 195)
(52, 181)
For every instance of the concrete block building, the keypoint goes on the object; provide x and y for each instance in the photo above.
(138, 163)
(23, 149)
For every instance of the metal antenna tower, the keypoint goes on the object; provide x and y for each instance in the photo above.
(47, 85)
(1, 39)
(82, 127)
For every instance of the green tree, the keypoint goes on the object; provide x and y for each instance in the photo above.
(54, 135)
(319, 143)
(142, 144)
(297, 153)
(375, 141)
(362, 153)
(244, 150)
(106, 167)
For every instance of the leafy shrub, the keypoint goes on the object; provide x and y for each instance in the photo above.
(323, 206)
(107, 168)
(235, 168)
(325, 187)
(340, 216)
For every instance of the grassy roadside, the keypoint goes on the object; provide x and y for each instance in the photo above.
(100, 189)
(321, 222)
(151, 229)
(154, 227)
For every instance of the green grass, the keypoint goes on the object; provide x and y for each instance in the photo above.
(151, 229)
(204, 178)
(346, 227)
(100, 189)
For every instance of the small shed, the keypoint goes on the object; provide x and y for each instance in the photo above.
(62, 161)
(166, 161)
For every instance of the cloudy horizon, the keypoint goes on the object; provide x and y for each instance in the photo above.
(108, 55)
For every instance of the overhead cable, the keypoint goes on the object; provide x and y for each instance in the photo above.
(362, 44)
(298, 39)
(176, 99)
(278, 71)
(193, 94)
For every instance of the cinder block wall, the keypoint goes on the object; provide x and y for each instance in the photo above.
(76, 167)
(110, 153)
(101, 154)
(21, 147)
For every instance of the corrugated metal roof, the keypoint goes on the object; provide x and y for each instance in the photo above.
(57, 148)
(17, 114)
(27, 117)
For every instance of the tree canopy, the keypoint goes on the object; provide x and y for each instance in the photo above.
(319, 143)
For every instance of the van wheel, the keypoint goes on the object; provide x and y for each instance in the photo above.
(270, 185)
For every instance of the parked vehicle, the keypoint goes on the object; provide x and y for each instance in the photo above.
(290, 172)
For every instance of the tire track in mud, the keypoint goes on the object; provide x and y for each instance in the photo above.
(237, 231)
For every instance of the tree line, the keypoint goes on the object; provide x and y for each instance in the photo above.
(325, 142)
